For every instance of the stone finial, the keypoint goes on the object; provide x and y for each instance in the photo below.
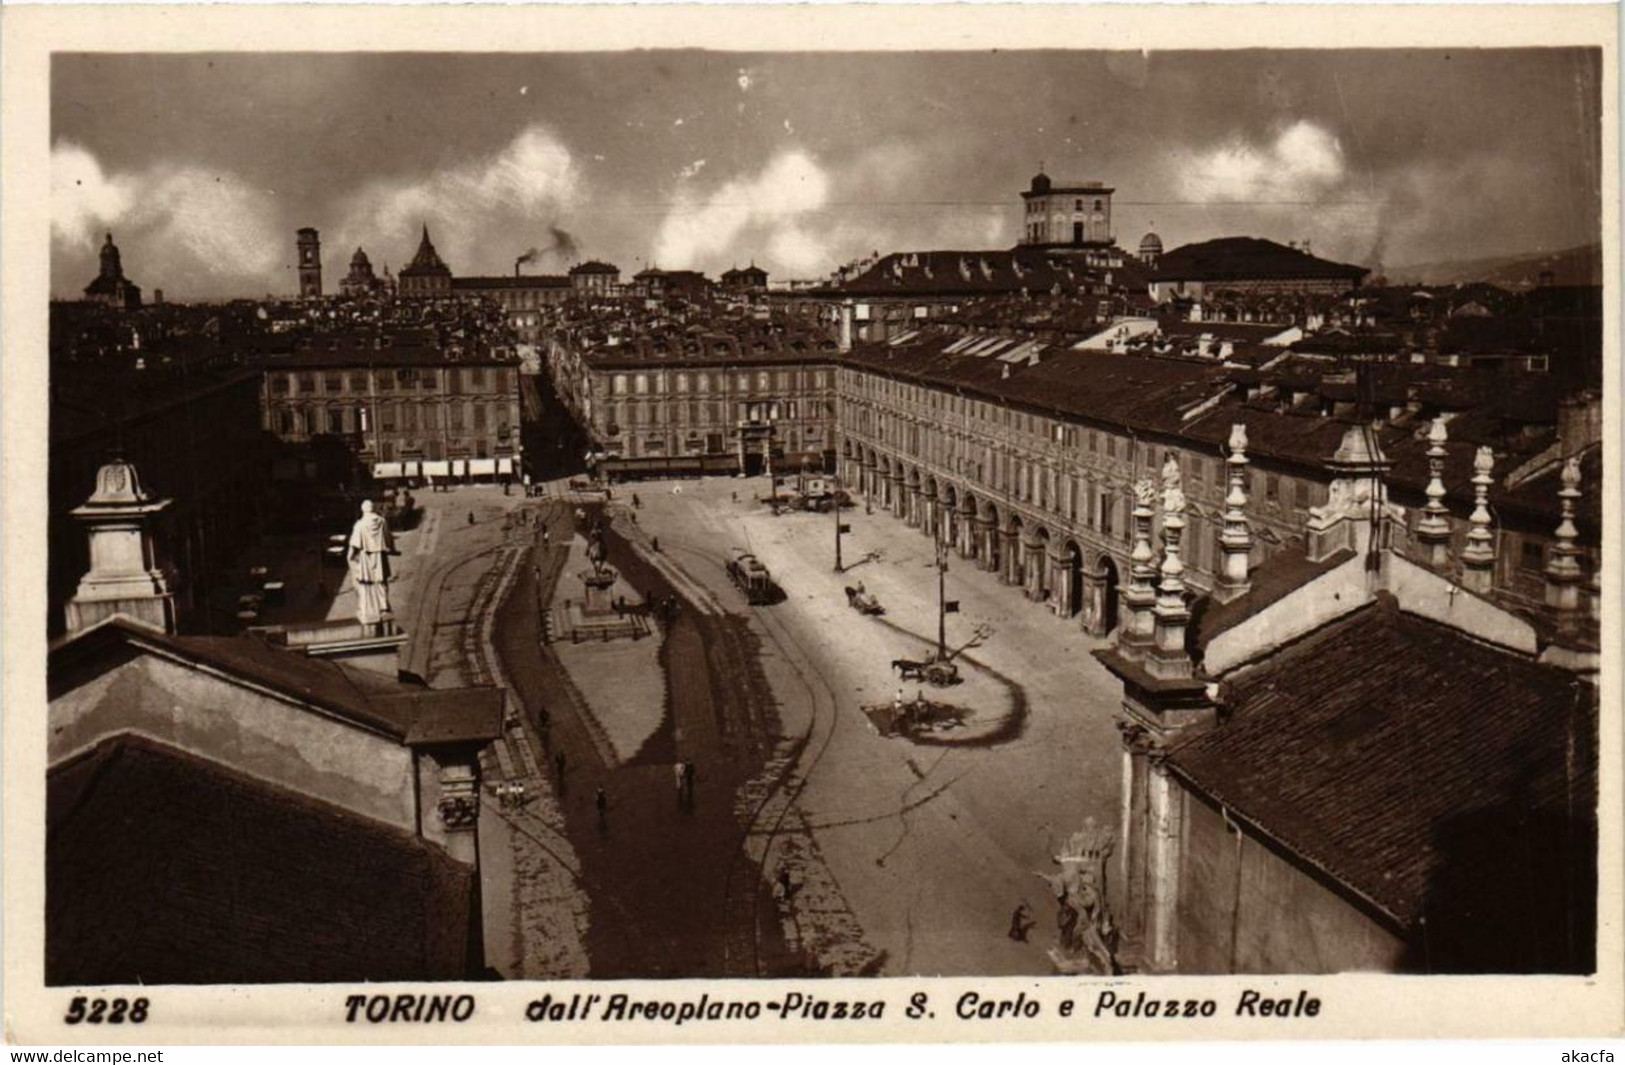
(1434, 528)
(1168, 655)
(1478, 558)
(1236, 536)
(1139, 595)
(1563, 569)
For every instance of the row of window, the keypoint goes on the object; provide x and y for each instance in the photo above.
(700, 413)
(400, 379)
(1040, 206)
(393, 417)
(682, 381)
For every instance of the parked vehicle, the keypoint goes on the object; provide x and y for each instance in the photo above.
(752, 578)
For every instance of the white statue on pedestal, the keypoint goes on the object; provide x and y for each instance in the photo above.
(370, 547)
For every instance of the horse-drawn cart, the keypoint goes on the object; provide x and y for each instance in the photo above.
(935, 671)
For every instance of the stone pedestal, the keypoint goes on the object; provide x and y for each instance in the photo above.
(596, 599)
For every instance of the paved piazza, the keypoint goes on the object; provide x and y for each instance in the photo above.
(931, 846)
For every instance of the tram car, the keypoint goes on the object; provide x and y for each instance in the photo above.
(752, 578)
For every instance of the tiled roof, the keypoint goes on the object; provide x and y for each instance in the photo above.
(518, 281)
(362, 696)
(970, 273)
(1362, 747)
(164, 868)
(1249, 259)
(1128, 390)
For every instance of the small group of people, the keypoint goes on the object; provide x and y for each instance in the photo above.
(683, 773)
(511, 793)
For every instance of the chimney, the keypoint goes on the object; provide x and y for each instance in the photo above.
(126, 576)
(1563, 569)
(1236, 538)
(1169, 659)
(1139, 597)
(1434, 528)
(1478, 558)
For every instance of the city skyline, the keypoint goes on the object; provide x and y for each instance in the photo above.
(802, 162)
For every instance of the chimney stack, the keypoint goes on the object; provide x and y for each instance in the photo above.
(1478, 558)
(1236, 538)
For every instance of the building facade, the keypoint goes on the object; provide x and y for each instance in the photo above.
(714, 403)
(426, 276)
(403, 408)
(110, 286)
(594, 278)
(1025, 456)
(309, 248)
(1072, 213)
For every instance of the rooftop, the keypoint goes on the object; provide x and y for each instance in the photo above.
(164, 868)
(1249, 258)
(1408, 762)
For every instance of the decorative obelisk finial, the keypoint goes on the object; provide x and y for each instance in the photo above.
(1563, 569)
(1434, 528)
(1236, 537)
(1478, 557)
(1168, 655)
(1139, 595)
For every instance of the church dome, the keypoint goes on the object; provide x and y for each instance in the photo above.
(360, 258)
(1041, 183)
(1150, 244)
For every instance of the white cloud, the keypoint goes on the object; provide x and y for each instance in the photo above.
(184, 220)
(699, 227)
(527, 180)
(1303, 162)
(84, 200)
(691, 169)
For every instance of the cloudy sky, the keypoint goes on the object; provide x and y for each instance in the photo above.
(204, 165)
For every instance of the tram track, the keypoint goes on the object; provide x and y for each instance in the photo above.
(790, 780)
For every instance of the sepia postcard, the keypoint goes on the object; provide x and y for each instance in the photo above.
(817, 524)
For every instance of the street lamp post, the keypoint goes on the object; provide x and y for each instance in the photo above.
(840, 529)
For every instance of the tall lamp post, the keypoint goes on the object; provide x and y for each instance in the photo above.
(841, 528)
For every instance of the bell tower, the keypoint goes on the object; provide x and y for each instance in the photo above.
(310, 264)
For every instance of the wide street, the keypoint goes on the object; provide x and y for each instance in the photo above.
(815, 844)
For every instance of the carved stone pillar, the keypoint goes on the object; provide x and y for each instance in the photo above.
(967, 530)
(988, 556)
(1165, 814)
(1032, 565)
(1134, 845)
(1010, 552)
(1060, 579)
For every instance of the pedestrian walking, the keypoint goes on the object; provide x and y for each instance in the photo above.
(602, 802)
(471, 517)
(547, 536)
(786, 888)
(655, 541)
(733, 497)
(688, 783)
(636, 502)
(678, 774)
(1021, 922)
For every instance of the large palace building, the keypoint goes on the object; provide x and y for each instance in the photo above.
(406, 406)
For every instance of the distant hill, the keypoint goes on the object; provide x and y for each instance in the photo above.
(1571, 266)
